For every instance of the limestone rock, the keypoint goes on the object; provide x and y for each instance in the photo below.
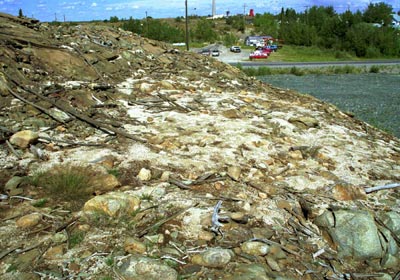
(12, 185)
(249, 271)
(29, 221)
(23, 138)
(144, 174)
(133, 246)
(138, 268)
(255, 248)
(104, 183)
(112, 204)
(304, 122)
(213, 257)
(234, 172)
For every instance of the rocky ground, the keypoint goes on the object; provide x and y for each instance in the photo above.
(123, 158)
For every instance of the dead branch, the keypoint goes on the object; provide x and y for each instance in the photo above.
(384, 187)
(67, 109)
(13, 150)
(173, 103)
(69, 142)
(270, 242)
(7, 252)
(216, 225)
(35, 105)
(163, 221)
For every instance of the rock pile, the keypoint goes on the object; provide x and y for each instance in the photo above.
(194, 170)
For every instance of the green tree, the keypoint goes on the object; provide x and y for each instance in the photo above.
(114, 19)
(378, 13)
(204, 31)
(20, 14)
(266, 24)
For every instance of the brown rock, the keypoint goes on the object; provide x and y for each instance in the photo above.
(29, 221)
(348, 192)
(104, 183)
(132, 245)
(55, 252)
(23, 138)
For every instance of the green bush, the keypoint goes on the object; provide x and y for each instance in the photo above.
(296, 71)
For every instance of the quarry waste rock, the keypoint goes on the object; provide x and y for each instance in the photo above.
(136, 160)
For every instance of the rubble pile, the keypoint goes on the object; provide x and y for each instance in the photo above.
(195, 170)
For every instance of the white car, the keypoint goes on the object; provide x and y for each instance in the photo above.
(235, 49)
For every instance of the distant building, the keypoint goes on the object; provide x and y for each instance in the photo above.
(396, 21)
(258, 40)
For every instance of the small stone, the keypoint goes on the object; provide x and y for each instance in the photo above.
(132, 245)
(272, 263)
(144, 174)
(239, 217)
(29, 221)
(206, 235)
(138, 267)
(23, 138)
(111, 204)
(348, 192)
(54, 252)
(234, 172)
(12, 186)
(165, 176)
(232, 114)
(255, 248)
(214, 257)
(105, 183)
(304, 122)
(296, 155)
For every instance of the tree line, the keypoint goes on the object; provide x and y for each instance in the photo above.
(364, 34)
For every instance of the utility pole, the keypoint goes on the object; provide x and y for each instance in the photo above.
(244, 17)
(187, 25)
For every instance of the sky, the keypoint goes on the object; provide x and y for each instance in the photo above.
(86, 10)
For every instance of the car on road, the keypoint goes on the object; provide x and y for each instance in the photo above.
(258, 54)
(215, 52)
(235, 49)
(205, 52)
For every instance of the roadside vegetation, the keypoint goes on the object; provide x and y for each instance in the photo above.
(329, 70)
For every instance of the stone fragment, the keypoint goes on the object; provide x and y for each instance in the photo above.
(234, 172)
(29, 221)
(144, 174)
(105, 183)
(214, 257)
(249, 271)
(165, 176)
(353, 232)
(255, 248)
(348, 192)
(392, 221)
(273, 264)
(138, 268)
(232, 114)
(111, 204)
(132, 246)
(12, 186)
(55, 252)
(304, 122)
(23, 138)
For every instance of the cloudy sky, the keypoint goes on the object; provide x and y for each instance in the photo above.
(83, 10)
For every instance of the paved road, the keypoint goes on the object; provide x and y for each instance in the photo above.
(316, 64)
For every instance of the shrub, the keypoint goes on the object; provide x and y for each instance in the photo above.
(374, 69)
(296, 71)
(68, 183)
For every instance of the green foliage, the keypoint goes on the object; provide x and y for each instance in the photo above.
(204, 31)
(154, 29)
(68, 183)
(75, 238)
(114, 19)
(237, 22)
(296, 71)
(40, 202)
(374, 69)
(230, 39)
(20, 13)
(266, 24)
(378, 13)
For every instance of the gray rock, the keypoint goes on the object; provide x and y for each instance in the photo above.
(249, 272)
(23, 138)
(214, 257)
(255, 248)
(138, 268)
(353, 232)
(392, 221)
